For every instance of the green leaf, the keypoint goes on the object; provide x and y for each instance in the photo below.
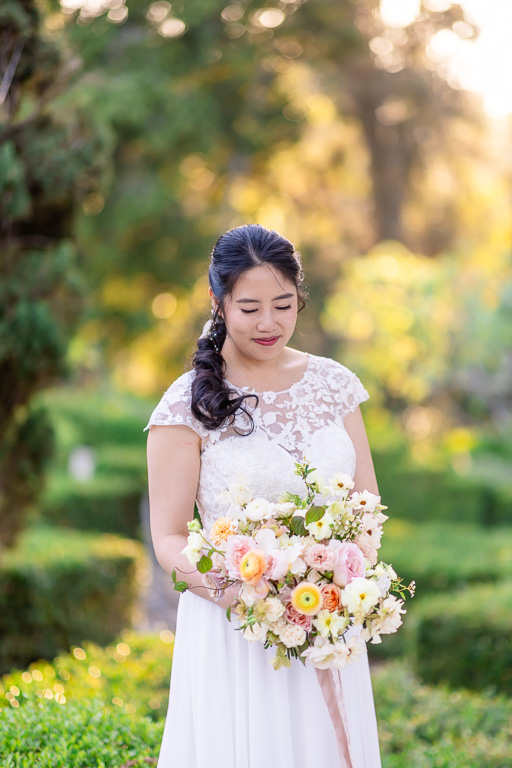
(205, 564)
(180, 586)
(298, 526)
(228, 613)
(173, 574)
(314, 514)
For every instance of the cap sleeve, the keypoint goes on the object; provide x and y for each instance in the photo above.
(350, 390)
(174, 407)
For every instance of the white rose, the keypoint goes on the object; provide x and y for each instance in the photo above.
(274, 609)
(284, 508)
(256, 633)
(259, 509)
(292, 635)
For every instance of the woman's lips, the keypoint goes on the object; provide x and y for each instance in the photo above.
(267, 342)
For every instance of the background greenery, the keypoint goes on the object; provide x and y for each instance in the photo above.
(131, 134)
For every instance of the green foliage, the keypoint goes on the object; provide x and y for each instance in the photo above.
(419, 725)
(60, 587)
(463, 639)
(109, 503)
(482, 494)
(131, 675)
(442, 556)
(110, 424)
(425, 726)
(50, 158)
(79, 734)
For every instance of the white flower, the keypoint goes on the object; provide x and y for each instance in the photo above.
(389, 616)
(298, 567)
(383, 582)
(316, 477)
(340, 484)
(248, 595)
(321, 654)
(236, 493)
(355, 647)
(284, 508)
(366, 500)
(292, 635)
(256, 633)
(360, 595)
(192, 551)
(382, 569)
(258, 509)
(274, 609)
(329, 623)
(321, 529)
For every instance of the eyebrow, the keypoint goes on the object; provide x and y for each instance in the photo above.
(256, 301)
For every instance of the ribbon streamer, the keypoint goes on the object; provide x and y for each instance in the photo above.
(330, 684)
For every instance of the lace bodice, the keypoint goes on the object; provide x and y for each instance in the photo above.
(306, 420)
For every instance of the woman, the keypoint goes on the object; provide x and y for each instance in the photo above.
(250, 408)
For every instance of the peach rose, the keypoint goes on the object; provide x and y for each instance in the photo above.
(221, 529)
(331, 597)
(252, 566)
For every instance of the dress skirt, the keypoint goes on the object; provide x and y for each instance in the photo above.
(229, 708)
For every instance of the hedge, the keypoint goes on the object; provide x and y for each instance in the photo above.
(440, 556)
(464, 638)
(108, 503)
(483, 496)
(103, 720)
(132, 673)
(424, 726)
(80, 734)
(59, 587)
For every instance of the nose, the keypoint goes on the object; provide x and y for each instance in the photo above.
(266, 322)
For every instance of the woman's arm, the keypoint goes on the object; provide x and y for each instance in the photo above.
(173, 454)
(364, 477)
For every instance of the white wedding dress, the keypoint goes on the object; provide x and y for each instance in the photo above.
(228, 707)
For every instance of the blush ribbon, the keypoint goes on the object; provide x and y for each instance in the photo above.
(330, 684)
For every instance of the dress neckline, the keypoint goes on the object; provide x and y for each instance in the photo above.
(246, 388)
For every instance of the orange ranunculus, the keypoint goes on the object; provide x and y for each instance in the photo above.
(331, 597)
(221, 529)
(307, 598)
(252, 566)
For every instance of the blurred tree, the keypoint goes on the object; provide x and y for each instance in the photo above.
(51, 155)
(297, 115)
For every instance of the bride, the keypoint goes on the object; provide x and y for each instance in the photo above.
(247, 411)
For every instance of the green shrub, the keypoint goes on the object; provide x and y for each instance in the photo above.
(58, 588)
(80, 734)
(440, 556)
(424, 726)
(131, 674)
(110, 424)
(463, 638)
(108, 503)
(483, 496)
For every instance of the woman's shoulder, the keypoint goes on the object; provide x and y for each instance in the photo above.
(329, 366)
(340, 380)
(174, 406)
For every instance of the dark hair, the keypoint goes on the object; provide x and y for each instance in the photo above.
(235, 252)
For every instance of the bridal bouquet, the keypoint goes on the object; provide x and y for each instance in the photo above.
(307, 569)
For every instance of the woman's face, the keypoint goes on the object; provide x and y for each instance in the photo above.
(261, 313)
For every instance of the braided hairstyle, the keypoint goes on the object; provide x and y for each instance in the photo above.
(235, 252)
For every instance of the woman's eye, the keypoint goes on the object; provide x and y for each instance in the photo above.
(250, 311)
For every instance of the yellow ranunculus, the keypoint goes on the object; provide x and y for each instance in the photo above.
(307, 598)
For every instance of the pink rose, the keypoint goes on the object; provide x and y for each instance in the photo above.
(237, 546)
(291, 614)
(277, 565)
(349, 564)
(320, 557)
